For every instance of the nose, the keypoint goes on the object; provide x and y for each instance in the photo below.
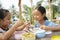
(9, 21)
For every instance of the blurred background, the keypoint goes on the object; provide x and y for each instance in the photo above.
(22, 9)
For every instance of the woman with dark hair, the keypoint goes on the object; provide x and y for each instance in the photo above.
(5, 21)
(42, 22)
(39, 15)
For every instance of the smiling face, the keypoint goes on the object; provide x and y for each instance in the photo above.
(38, 15)
(7, 20)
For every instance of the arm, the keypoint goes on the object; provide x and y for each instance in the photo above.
(25, 25)
(51, 28)
(21, 28)
(1, 36)
(9, 33)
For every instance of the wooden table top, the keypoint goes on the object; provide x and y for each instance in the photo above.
(47, 37)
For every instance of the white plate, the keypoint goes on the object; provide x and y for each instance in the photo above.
(49, 32)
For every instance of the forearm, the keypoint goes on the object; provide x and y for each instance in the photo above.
(9, 33)
(20, 28)
(53, 28)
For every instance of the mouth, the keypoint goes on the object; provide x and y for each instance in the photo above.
(7, 25)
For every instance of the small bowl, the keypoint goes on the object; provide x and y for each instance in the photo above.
(40, 34)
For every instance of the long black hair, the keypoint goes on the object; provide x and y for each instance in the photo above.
(42, 10)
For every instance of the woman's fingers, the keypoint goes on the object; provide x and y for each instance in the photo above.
(18, 23)
(43, 27)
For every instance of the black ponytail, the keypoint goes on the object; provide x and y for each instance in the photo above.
(45, 18)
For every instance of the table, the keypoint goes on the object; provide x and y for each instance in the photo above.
(47, 37)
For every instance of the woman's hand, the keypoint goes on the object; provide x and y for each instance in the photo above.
(27, 24)
(44, 27)
(18, 23)
(22, 26)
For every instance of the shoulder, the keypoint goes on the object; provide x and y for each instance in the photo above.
(50, 23)
(1, 30)
(47, 22)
